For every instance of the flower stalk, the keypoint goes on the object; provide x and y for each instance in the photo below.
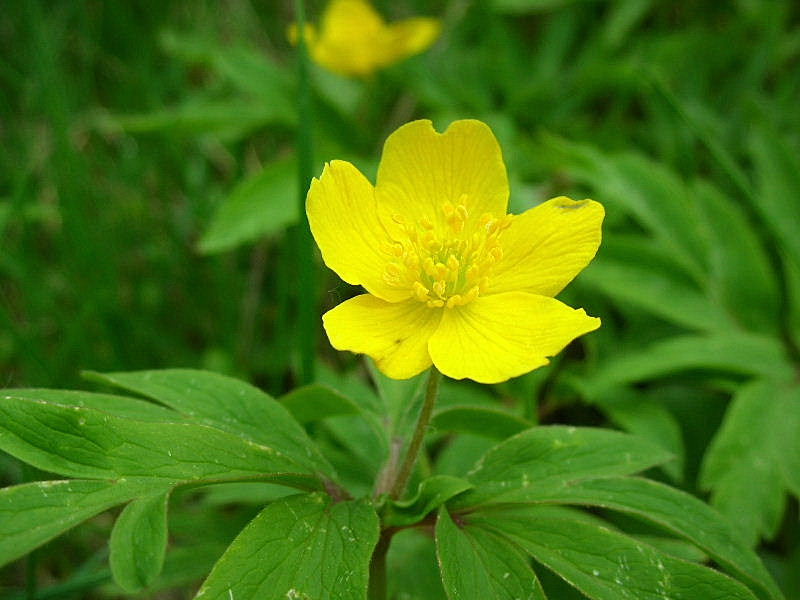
(407, 467)
(303, 241)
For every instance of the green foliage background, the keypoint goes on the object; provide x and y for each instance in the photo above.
(148, 180)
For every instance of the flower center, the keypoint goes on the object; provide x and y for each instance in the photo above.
(447, 263)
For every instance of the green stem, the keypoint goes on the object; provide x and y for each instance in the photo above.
(400, 483)
(377, 569)
(304, 244)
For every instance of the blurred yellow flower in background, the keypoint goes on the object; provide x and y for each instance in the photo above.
(354, 40)
(452, 280)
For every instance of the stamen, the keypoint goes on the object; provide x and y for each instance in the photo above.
(446, 260)
(421, 292)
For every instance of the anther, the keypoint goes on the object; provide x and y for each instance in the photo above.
(455, 300)
(429, 266)
(471, 294)
(442, 271)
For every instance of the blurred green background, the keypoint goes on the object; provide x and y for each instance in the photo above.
(148, 181)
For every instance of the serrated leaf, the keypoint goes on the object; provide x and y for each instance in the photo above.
(138, 542)
(476, 563)
(302, 547)
(34, 513)
(479, 420)
(604, 564)
(553, 455)
(735, 353)
(224, 403)
(431, 494)
(86, 442)
(315, 402)
(261, 205)
(675, 511)
(754, 456)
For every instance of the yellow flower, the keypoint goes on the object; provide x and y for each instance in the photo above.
(452, 280)
(355, 40)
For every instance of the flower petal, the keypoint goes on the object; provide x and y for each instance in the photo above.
(349, 18)
(343, 219)
(504, 335)
(547, 246)
(351, 32)
(411, 36)
(395, 335)
(421, 169)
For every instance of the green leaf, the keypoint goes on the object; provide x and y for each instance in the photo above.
(675, 547)
(184, 566)
(633, 271)
(638, 414)
(249, 69)
(531, 6)
(119, 406)
(741, 273)
(431, 494)
(553, 455)
(302, 547)
(778, 187)
(262, 205)
(401, 400)
(229, 119)
(486, 421)
(735, 353)
(604, 564)
(34, 513)
(86, 442)
(675, 511)
(315, 402)
(479, 564)
(413, 567)
(138, 542)
(223, 403)
(655, 196)
(755, 456)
